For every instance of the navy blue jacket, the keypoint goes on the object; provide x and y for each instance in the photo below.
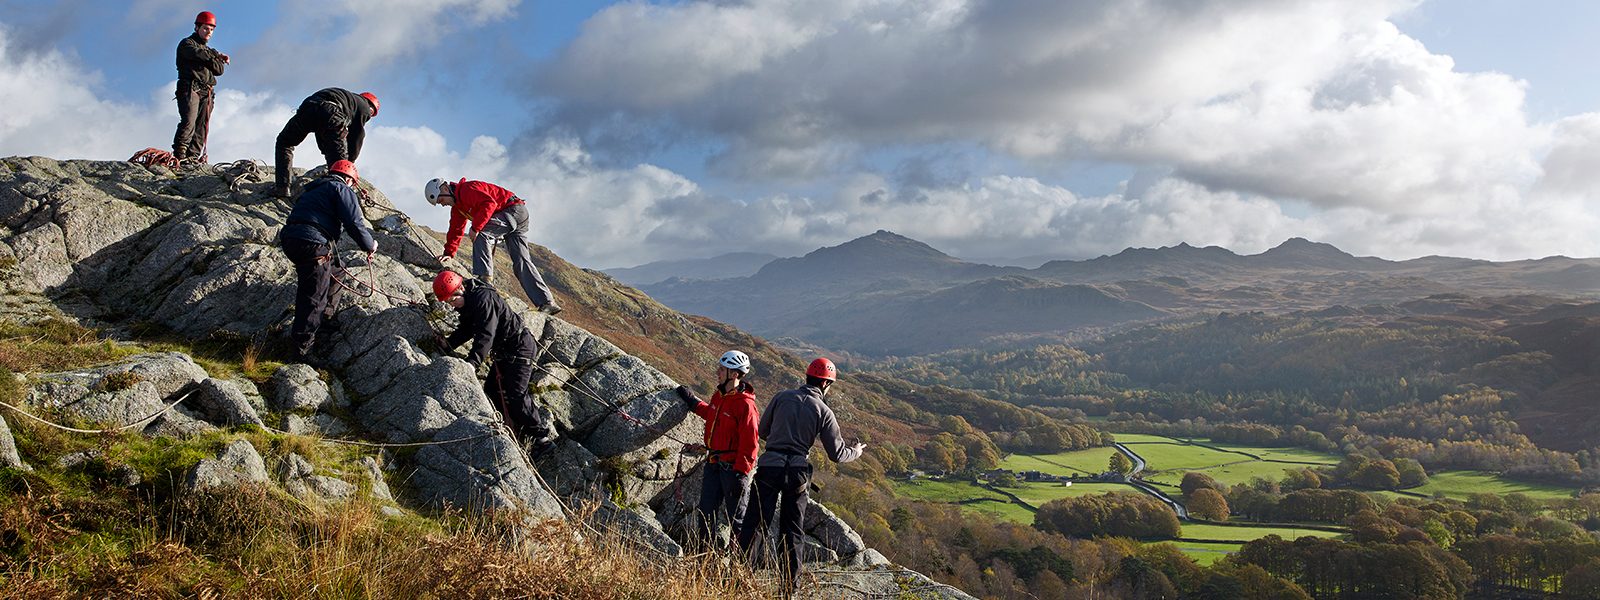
(324, 210)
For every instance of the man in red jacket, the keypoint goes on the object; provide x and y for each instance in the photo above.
(496, 216)
(730, 440)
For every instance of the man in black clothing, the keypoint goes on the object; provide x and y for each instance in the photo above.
(338, 117)
(495, 330)
(326, 207)
(791, 424)
(198, 68)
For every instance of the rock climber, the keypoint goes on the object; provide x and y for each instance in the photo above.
(198, 68)
(730, 443)
(338, 117)
(497, 216)
(496, 331)
(326, 208)
(791, 424)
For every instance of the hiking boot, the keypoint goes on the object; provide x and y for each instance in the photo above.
(280, 192)
(551, 309)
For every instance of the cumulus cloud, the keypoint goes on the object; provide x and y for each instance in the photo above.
(1320, 102)
(351, 40)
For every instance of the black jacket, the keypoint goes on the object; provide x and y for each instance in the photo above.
(341, 109)
(198, 63)
(323, 210)
(490, 324)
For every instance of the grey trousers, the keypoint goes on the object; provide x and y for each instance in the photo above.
(509, 227)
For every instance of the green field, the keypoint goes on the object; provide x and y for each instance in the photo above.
(1461, 484)
(1168, 457)
(1199, 531)
(933, 490)
(1204, 553)
(1039, 493)
(1004, 510)
(1078, 462)
(1142, 438)
(1229, 475)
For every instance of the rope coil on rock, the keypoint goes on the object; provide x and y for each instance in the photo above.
(99, 431)
(238, 170)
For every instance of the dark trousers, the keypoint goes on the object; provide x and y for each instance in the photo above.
(507, 386)
(313, 267)
(194, 120)
(784, 489)
(330, 128)
(721, 487)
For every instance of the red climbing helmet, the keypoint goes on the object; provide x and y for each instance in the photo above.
(373, 99)
(822, 368)
(344, 167)
(205, 18)
(446, 284)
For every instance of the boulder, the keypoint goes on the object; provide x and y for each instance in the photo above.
(224, 403)
(570, 470)
(476, 465)
(379, 489)
(830, 530)
(297, 387)
(572, 346)
(238, 464)
(301, 481)
(640, 530)
(8, 449)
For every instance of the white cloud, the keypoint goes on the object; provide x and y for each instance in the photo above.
(352, 40)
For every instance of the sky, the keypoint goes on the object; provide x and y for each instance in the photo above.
(990, 129)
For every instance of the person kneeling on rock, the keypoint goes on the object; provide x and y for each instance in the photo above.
(495, 329)
(326, 207)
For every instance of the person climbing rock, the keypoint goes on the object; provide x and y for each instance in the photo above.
(198, 68)
(326, 208)
(338, 117)
(793, 421)
(497, 332)
(730, 443)
(497, 216)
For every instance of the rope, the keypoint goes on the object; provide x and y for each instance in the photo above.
(238, 170)
(384, 445)
(100, 431)
(154, 157)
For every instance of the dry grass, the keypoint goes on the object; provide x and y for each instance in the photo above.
(254, 542)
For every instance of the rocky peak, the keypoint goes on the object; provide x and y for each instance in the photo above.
(114, 245)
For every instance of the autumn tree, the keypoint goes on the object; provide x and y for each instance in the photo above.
(1207, 503)
(1121, 464)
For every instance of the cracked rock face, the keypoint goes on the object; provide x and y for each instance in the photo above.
(106, 241)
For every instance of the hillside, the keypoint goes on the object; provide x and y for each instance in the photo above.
(178, 267)
(881, 293)
(733, 264)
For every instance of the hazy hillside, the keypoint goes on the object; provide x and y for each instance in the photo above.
(886, 294)
(733, 264)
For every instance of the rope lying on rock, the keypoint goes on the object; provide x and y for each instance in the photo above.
(238, 170)
(383, 444)
(100, 431)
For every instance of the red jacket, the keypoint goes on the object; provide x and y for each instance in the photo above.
(731, 427)
(476, 201)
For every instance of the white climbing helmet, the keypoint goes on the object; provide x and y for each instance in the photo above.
(735, 360)
(432, 191)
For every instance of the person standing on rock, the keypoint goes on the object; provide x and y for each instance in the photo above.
(730, 442)
(790, 426)
(338, 117)
(496, 216)
(495, 330)
(327, 207)
(198, 68)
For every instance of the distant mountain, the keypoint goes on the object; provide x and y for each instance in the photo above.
(887, 293)
(733, 264)
(1300, 253)
(882, 254)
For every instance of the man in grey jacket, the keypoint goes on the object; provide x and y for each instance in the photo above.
(790, 425)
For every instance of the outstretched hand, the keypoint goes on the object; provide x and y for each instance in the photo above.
(859, 447)
(444, 259)
(687, 396)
